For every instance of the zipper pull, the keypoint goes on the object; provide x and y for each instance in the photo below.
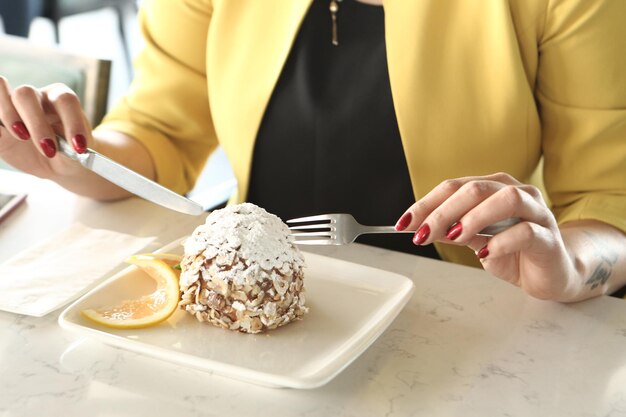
(334, 8)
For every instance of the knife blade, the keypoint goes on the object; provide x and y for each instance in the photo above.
(130, 180)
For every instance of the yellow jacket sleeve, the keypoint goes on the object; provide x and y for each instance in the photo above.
(167, 107)
(581, 91)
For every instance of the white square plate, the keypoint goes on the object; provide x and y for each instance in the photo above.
(350, 306)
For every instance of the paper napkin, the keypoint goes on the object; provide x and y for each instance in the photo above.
(57, 271)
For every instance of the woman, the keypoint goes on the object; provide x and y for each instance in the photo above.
(324, 106)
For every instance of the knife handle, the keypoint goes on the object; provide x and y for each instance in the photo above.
(66, 149)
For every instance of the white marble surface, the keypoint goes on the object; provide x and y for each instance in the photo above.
(465, 345)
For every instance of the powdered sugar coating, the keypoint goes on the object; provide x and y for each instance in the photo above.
(250, 232)
(241, 271)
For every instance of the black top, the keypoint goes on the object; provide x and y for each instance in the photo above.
(329, 139)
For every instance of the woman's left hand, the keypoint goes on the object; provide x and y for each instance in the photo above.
(530, 254)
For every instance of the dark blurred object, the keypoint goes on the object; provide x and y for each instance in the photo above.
(17, 15)
(621, 293)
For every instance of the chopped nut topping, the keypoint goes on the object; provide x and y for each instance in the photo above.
(241, 272)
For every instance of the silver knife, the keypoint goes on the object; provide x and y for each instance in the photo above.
(130, 180)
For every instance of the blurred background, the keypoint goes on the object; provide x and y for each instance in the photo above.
(105, 29)
(88, 27)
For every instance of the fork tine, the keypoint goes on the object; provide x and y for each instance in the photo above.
(315, 242)
(312, 226)
(311, 218)
(312, 234)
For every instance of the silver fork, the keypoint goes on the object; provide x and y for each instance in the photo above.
(342, 228)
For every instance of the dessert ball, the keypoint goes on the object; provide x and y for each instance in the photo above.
(240, 271)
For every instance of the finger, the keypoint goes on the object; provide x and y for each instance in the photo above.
(504, 178)
(443, 222)
(523, 202)
(8, 115)
(447, 222)
(417, 213)
(66, 105)
(478, 204)
(476, 243)
(27, 102)
(530, 238)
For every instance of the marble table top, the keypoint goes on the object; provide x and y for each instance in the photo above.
(466, 344)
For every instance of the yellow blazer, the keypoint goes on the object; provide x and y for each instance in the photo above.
(478, 87)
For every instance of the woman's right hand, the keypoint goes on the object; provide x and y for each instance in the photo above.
(32, 118)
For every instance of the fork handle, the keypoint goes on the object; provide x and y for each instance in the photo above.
(488, 231)
(498, 227)
(384, 229)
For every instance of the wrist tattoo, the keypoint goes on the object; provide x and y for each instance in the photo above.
(608, 258)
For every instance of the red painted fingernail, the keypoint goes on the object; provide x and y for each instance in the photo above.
(20, 130)
(404, 221)
(48, 147)
(421, 235)
(454, 231)
(483, 252)
(80, 143)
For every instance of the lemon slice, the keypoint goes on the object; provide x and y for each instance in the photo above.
(149, 309)
(169, 258)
